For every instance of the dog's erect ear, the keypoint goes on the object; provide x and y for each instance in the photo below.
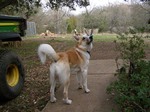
(91, 32)
(91, 38)
(91, 35)
(85, 31)
(76, 35)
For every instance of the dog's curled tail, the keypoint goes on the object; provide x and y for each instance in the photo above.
(47, 50)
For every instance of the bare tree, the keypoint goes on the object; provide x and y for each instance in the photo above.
(51, 20)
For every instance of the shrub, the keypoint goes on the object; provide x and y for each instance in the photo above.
(132, 87)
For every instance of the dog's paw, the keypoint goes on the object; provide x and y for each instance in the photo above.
(67, 101)
(87, 91)
(53, 100)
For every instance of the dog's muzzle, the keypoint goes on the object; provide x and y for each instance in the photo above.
(90, 40)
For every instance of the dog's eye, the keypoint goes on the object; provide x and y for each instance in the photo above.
(83, 38)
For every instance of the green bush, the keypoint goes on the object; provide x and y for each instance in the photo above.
(133, 94)
(132, 87)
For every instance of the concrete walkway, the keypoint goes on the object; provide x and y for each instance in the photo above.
(101, 73)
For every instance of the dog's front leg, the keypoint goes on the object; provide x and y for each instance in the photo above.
(79, 80)
(84, 80)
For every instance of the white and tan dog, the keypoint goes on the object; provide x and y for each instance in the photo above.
(75, 60)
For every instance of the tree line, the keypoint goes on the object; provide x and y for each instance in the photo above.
(112, 18)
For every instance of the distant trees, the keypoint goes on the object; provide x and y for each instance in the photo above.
(144, 4)
(141, 14)
(106, 18)
(116, 18)
(113, 18)
(54, 21)
(139, 18)
(71, 24)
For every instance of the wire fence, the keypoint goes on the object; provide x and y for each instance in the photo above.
(31, 29)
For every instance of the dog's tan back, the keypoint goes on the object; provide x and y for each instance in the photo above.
(74, 57)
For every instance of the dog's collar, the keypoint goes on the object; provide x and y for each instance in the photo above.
(82, 50)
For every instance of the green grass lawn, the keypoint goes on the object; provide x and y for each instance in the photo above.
(105, 38)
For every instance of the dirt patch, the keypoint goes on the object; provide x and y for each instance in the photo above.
(36, 90)
(104, 50)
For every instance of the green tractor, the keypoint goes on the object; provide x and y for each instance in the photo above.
(11, 68)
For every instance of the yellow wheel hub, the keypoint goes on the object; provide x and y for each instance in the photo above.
(12, 75)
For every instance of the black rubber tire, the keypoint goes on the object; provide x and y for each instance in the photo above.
(8, 92)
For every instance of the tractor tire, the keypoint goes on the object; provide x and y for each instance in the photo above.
(11, 75)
